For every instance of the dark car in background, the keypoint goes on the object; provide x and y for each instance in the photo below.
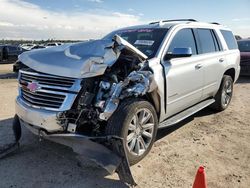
(244, 47)
(9, 53)
(18, 65)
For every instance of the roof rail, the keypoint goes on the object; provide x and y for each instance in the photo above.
(175, 20)
(215, 23)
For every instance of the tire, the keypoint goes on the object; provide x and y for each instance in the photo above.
(138, 137)
(224, 95)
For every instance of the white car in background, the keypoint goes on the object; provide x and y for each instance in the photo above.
(52, 44)
(27, 46)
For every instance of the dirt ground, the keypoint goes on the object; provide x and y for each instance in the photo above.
(219, 141)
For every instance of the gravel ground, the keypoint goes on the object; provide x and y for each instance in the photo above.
(219, 141)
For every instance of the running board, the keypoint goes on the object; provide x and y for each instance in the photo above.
(186, 113)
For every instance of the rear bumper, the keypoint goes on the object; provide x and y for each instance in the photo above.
(42, 119)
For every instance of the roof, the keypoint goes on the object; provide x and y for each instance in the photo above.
(170, 23)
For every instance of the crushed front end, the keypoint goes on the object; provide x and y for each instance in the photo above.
(62, 110)
(73, 110)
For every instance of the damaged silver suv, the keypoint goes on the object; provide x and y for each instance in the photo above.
(107, 98)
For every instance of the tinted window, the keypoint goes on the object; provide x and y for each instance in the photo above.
(230, 40)
(217, 47)
(183, 39)
(217, 40)
(244, 46)
(12, 48)
(207, 41)
(146, 40)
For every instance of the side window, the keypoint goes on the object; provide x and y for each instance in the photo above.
(230, 40)
(183, 39)
(218, 40)
(217, 48)
(207, 41)
(12, 48)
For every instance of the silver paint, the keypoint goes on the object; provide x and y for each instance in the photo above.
(79, 60)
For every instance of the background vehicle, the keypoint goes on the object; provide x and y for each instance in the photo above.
(53, 44)
(18, 65)
(9, 53)
(244, 47)
(37, 47)
(129, 84)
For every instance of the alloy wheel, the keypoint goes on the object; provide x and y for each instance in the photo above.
(227, 93)
(140, 132)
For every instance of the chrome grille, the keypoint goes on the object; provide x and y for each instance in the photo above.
(43, 100)
(48, 80)
(54, 92)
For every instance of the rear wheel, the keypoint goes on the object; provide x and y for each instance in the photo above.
(224, 95)
(136, 122)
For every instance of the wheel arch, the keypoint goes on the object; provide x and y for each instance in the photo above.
(154, 99)
(230, 72)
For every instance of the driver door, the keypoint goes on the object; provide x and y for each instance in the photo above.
(184, 76)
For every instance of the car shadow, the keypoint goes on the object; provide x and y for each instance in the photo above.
(168, 130)
(48, 164)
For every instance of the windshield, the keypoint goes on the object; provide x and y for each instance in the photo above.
(244, 46)
(146, 40)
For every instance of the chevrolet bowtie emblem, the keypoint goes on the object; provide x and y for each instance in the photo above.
(33, 86)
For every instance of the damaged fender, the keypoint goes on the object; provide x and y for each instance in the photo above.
(138, 83)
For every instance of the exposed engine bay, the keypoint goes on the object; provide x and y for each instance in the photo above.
(100, 96)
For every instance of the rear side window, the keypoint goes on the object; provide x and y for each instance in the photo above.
(207, 40)
(183, 39)
(217, 40)
(230, 40)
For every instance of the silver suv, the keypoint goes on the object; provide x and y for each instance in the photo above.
(114, 94)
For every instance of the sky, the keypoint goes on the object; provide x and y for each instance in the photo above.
(91, 19)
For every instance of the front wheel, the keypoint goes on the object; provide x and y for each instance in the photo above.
(224, 95)
(136, 122)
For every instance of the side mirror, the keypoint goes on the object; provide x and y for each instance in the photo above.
(178, 52)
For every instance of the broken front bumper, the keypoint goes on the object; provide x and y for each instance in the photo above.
(95, 149)
(39, 118)
(44, 124)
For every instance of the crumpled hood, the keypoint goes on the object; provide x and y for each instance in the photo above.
(79, 60)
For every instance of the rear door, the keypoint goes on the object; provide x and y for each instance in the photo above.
(184, 77)
(211, 59)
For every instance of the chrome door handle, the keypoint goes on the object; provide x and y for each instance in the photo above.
(198, 66)
(221, 60)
